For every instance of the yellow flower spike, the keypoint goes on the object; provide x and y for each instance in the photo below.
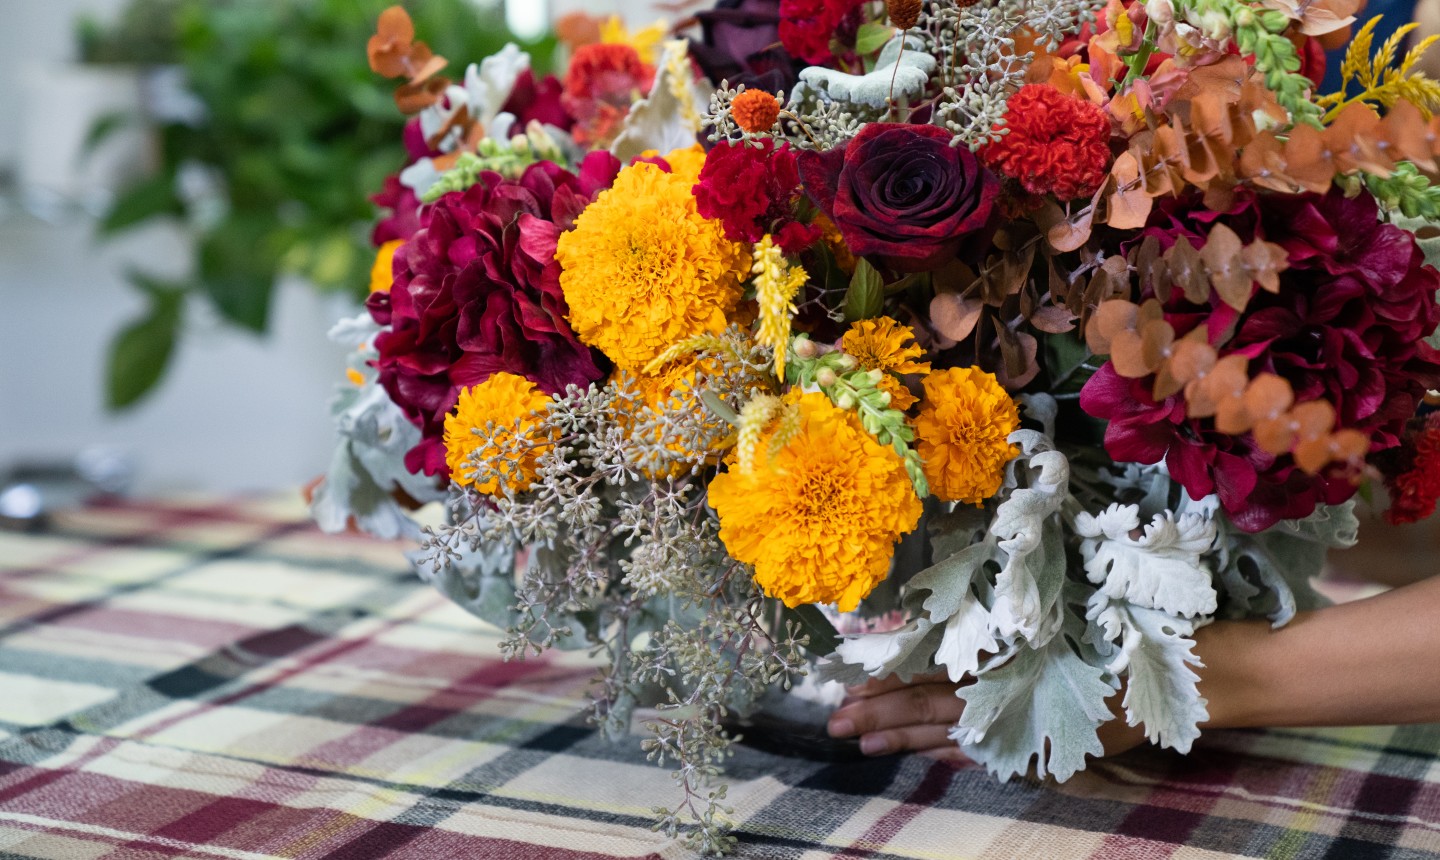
(382, 274)
(645, 42)
(776, 285)
(755, 416)
(819, 520)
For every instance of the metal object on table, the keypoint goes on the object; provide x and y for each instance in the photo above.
(31, 491)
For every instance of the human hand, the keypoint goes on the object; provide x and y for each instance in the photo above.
(892, 716)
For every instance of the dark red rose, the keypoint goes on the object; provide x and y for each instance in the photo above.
(477, 291)
(1347, 326)
(902, 193)
(748, 189)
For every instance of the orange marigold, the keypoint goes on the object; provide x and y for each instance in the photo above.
(755, 111)
(818, 520)
(961, 434)
(516, 408)
(881, 344)
(643, 270)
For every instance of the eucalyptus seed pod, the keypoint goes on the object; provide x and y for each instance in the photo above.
(904, 14)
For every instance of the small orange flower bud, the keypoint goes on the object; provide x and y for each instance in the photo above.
(755, 111)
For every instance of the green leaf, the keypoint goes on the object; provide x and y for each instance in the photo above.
(237, 267)
(104, 127)
(866, 296)
(141, 351)
(823, 638)
(149, 198)
(872, 37)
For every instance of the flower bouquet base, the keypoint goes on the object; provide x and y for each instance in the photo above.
(787, 724)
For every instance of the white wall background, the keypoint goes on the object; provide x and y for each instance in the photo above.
(236, 412)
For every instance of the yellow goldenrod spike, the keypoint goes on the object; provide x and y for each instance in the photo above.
(755, 416)
(776, 284)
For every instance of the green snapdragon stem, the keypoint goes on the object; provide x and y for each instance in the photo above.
(1141, 58)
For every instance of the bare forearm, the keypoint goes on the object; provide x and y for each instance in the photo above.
(1375, 661)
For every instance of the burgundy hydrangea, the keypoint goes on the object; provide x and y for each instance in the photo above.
(403, 217)
(749, 189)
(902, 194)
(1347, 326)
(538, 100)
(477, 291)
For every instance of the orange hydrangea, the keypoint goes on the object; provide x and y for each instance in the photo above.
(516, 408)
(642, 270)
(961, 434)
(886, 345)
(818, 520)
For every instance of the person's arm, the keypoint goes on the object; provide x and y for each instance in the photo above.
(1371, 662)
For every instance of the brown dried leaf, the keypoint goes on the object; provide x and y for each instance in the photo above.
(1228, 275)
(1020, 351)
(1223, 79)
(1264, 261)
(1354, 137)
(953, 316)
(1129, 205)
(1262, 162)
(1192, 359)
(1231, 416)
(1187, 270)
(1053, 319)
(1268, 396)
(1275, 436)
(1308, 159)
(1405, 136)
(1109, 319)
(1313, 419)
(389, 48)
(1155, 341)
(1127, 354)
(1224, 383)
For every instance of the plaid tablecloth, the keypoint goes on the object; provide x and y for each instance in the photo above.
(222, 682)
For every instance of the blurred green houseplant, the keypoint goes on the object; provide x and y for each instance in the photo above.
(271, 178)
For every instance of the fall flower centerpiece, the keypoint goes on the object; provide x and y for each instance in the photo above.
(1103, 308)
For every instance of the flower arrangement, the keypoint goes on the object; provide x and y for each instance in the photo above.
(1102, 307)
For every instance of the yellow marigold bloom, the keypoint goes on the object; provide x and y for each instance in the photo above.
(517, 408)
(819, 520)
(642, 269)
(881, 344)
(961, 434)
(382, 275)
(776, 284)
(685, 162)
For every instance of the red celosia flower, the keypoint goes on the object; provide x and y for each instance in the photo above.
(749, 189)
(1056, 144)
(806, 26)
(600, 85)
(1415, 486)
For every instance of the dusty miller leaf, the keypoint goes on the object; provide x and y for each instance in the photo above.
(874, 89)
(1027, 588)
(1043, 705)
(1159, 570)
(1156, 654)
(905, 652)
(1280, 562)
